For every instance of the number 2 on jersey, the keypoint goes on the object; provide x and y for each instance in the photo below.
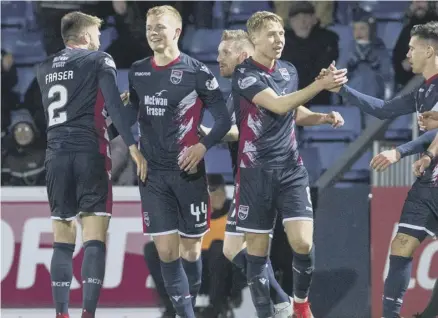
(61, 116)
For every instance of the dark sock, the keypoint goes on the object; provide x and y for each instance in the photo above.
(194, 274)
(278, 295)
(61, 274)
(93, 273)
(431, 310)
(240, 260)
(396, 285)
(302, 268)
(177, 286)
(258, 282)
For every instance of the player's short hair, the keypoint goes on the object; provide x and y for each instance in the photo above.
(162, 10)
(260, 18)
(427, 31)
(239, 37)
(73, 23)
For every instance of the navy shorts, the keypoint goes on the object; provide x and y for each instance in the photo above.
(78, 183)
(419, 216)
(262, 193)
(174, 203)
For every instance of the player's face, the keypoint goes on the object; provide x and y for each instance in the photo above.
(269, 40)
(228, 57)
(418, 54)
(161, 32)
(92, 36)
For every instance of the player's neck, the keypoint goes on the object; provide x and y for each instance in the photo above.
(263, 60)
(76, 46)
(169, 55)
(431, 71)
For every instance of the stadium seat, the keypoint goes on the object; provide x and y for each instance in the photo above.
(13, 13)
(330, 152)
(187, 38)
(218, 160)
(122, 80)
(224, 84)
(240, 11)
(238, 26)
(387, 10)
(348, 132)
(204, 44)
(9, 38)
(345, 34)
(311, 160)
(25, 77)
(400, 128)
(207, 119)
(29, 48)
(389, 32)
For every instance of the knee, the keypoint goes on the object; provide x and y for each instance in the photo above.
(190, 249)
(301, 246)
(64, 231)
(257, 244)
(230, 251)
(404, 245)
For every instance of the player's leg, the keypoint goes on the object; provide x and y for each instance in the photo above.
(62, 202)
(235, 250)
(160, 220)
(295, 206)
(416, 223)
(94, 197)
(256, 217)
(192, 196)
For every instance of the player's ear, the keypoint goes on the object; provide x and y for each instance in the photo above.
(177, 33)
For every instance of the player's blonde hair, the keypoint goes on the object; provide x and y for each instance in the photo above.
(259, 19)
(73, 24)
(165, 10)
(240, 38)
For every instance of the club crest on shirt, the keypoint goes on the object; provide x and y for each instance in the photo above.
(176, 76)
(284, 73)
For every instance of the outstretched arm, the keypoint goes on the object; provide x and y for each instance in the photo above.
(305, 117)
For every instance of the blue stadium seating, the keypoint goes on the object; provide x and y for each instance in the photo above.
(350, 131)
(204, 44)
(240, 11)
(345, 33)
(187, 39)
(26, 76)
(387, 10)
(330, 152)
(13, 13)
(238, 26)
(207, 119)
(400, 128)
(107, 36)
(312, 162)
(218, 160)
(388, 32)
(28, 48)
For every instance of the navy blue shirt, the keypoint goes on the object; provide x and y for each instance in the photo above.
(79, 89)
(420, 100)
(169, 102)
(266, 139)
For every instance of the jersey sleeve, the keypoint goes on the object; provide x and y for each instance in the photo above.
(230, 109)
(247, 83)
(208, 91)
(106, 75)
(399, 105)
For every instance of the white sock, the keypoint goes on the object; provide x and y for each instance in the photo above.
(299, 300)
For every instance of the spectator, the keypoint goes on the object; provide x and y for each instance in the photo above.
(309, 47)
(23, 160)
(49, 14)
(131, 44)
(10, 99)
(368, 61)
(323, 10)
(419, 12)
